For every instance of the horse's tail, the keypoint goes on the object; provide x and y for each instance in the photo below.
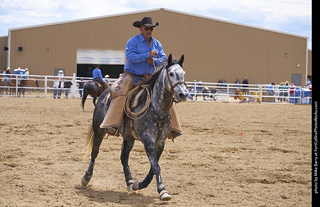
(89, 141)
(84, 96)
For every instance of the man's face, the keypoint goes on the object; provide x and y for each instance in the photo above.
(146, 34)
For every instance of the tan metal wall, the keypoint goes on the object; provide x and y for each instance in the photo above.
(3, 53)
(213, 49)
(309, 62)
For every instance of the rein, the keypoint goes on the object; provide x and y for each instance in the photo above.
(138, 115)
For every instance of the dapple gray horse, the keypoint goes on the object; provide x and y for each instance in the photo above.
(167, 86)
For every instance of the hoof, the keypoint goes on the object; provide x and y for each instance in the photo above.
(130, 188)
(129, 185)
(85, 180)
(164, 196)
(135, 186)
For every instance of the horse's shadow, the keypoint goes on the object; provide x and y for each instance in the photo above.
(109, 196)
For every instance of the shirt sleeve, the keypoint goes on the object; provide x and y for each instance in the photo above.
(161, 54)
(132, 55)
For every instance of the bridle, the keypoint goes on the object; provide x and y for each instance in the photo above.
(172, 86)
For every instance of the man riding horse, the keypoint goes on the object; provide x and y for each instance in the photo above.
(143, 54)
(97, 76)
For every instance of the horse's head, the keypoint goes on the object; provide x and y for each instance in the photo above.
(175, 79)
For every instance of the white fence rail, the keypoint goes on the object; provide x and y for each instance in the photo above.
(261, 93)
(43, 86)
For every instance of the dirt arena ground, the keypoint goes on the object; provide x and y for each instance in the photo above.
(231, 154)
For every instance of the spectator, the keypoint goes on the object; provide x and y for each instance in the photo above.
(308, 81)
(106, 79)
(237, 83)
(286, 86)
(193, 92)
(67, 86)
(213, 94)
(271, 89)
(205, 93)
(245, 90)
(292, 88)
(58, 84)
(282, 89)
(26, 74)
(7, 76)
(199, 88)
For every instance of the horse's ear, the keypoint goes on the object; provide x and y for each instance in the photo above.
(170, 59)
(181, 60)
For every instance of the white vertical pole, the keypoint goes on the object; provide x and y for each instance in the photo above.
(17, 85)
(45, 86)
(73, 87)
(260, 94)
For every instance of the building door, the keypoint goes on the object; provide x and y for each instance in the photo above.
(85, 70)
(296, 79)
(111, 61)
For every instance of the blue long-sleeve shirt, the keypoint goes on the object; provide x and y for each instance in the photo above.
(96, 74)
(137, 52)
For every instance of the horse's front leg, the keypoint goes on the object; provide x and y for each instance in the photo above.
(127, 146)
(154, 156)
(149, 177)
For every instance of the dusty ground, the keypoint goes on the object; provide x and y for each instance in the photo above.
(231, 154)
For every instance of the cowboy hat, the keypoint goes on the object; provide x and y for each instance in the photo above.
(146, 21)
(60, 71)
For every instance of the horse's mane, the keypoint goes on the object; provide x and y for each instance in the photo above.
(152, 80)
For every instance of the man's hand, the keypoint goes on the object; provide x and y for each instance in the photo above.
(152, 53)
(150, 61)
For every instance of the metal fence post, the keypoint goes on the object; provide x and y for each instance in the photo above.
(260, 93)
(73, 87)
(17, 85)
(45, 86)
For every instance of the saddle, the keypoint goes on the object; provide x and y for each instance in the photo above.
(102, 86)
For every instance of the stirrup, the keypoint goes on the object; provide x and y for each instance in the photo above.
(174, 134)
(112, 131)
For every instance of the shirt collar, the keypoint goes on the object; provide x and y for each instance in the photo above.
(142, 39)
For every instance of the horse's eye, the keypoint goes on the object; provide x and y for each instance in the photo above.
(171, 74)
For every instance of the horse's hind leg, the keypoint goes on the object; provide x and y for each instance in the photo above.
(94, 153)
(127, 146)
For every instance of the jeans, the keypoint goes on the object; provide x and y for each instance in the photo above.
(55, 91)
(136, 79)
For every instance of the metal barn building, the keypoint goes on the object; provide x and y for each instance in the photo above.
(213, 49)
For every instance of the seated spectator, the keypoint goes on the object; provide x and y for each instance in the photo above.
(271, 89)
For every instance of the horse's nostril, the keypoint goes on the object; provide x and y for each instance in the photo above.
(182, 96)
